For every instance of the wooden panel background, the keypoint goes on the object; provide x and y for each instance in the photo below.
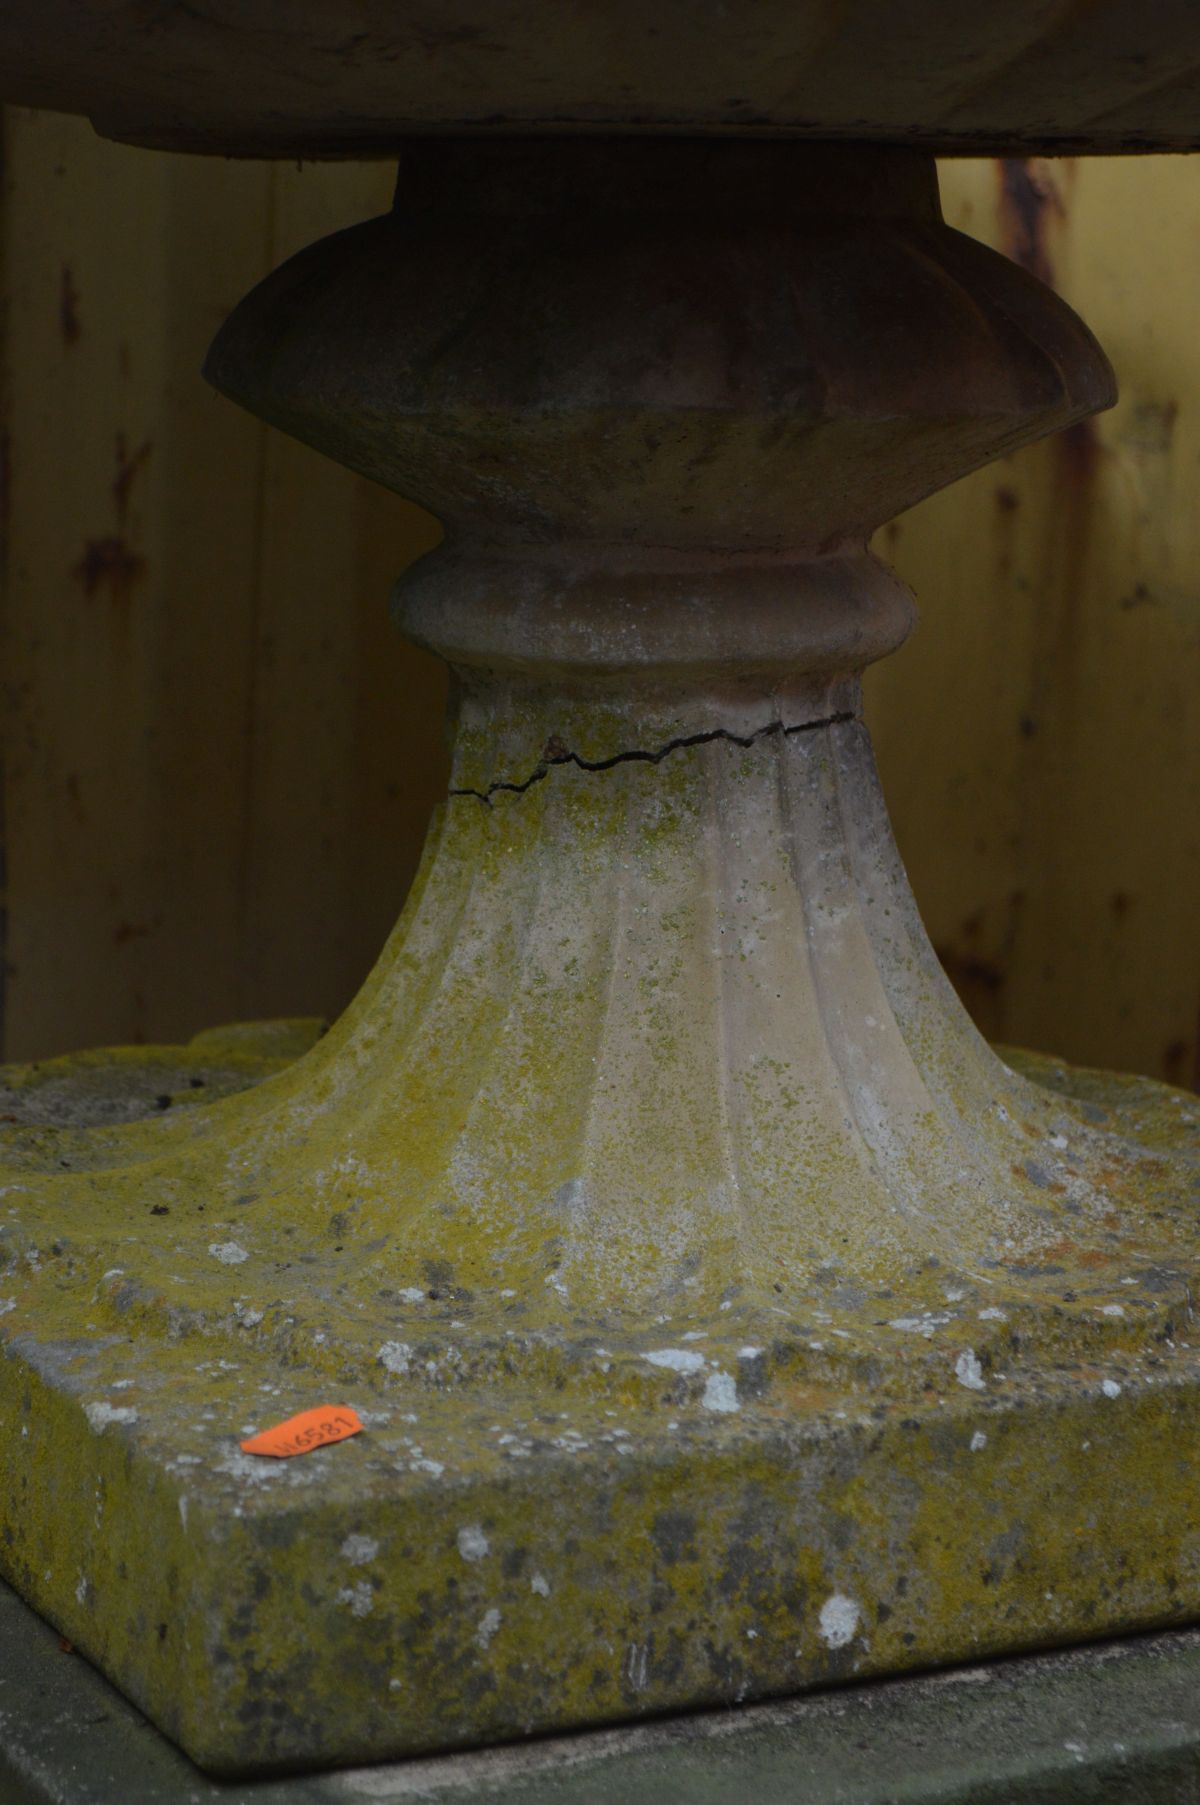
(218, 758)
(1039, 737)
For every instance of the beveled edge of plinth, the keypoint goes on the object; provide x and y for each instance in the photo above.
(490, 1561)
(381, 1598)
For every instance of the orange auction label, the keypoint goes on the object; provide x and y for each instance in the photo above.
(311, 1429)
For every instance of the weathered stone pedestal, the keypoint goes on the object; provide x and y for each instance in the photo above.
(1115, 1723)
(726, 1317)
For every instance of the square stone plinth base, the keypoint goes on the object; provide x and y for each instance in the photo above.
(468, 1570)
(1117, 1723)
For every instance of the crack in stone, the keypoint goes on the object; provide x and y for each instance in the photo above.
(636, 755)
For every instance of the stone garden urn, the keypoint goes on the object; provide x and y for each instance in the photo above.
(723, 1316)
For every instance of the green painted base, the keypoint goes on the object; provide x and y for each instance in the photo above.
(498, 1558)
(1114, 1724)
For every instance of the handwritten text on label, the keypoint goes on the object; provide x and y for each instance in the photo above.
(300, 1434)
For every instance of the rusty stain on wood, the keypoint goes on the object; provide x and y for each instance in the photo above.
(110, 564)
(1028, 191)
(68, 307)
(979, 963)
(125, 931)
(128, 465)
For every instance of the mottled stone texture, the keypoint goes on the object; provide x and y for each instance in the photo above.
(725, 1315)
(310, 79)
(1117, 1723)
